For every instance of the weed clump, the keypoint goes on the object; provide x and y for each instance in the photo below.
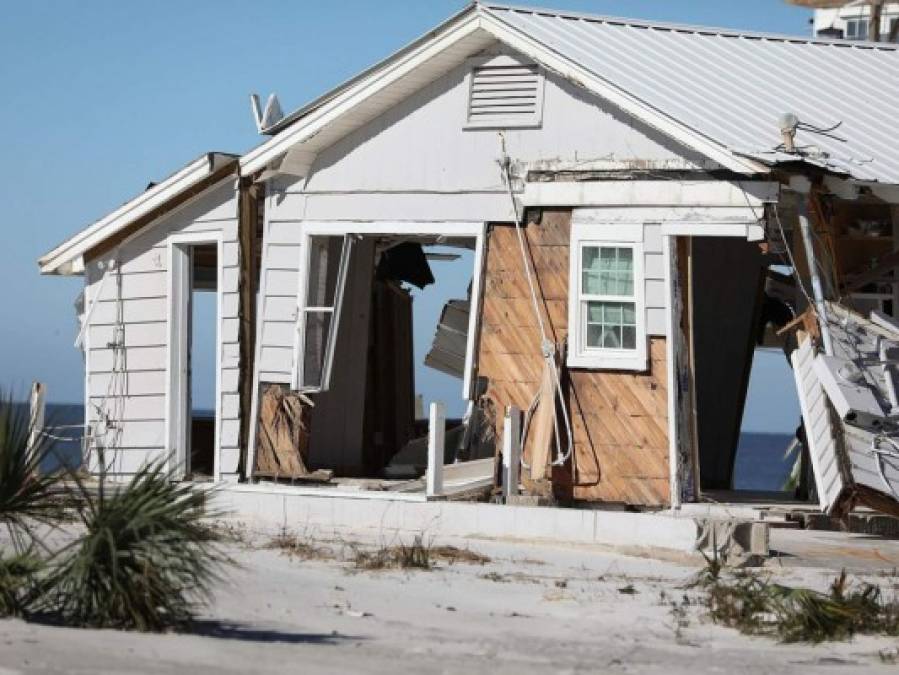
(416, 555)
(755, 605)
(295, 546)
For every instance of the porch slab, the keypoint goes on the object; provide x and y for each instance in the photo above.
(386, 513)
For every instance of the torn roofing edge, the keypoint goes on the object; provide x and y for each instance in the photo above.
(61, 260)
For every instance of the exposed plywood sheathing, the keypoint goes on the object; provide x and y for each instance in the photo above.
(619, 419)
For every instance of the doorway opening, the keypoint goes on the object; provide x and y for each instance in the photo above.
(201, 356)
(193, 359)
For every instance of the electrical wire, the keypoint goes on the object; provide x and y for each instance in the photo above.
(547, 346)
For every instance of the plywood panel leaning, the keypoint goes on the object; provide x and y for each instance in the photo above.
(283, 433)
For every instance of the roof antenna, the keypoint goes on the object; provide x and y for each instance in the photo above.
(788, 124)
(266, 119)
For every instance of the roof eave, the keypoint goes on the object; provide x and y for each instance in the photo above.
(67, 258)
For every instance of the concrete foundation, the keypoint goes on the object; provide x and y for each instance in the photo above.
(378, 514)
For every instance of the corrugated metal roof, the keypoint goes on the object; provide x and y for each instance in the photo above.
(732, 87)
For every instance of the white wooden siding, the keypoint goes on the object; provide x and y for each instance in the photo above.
(819, 429)
(421, 143)
(143, 287)
(437, 171)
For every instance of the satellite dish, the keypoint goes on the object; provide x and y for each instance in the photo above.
(266, 119)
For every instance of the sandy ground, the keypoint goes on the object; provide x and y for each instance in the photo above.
(532, 608)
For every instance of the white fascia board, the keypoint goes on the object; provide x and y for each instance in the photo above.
(630, 104)
(66, 258)
(751, 231)
(259, 158)
(401, 228)
(651, 193)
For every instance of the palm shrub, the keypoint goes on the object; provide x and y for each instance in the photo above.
(28, 497)
(145, 560)
(19, 574)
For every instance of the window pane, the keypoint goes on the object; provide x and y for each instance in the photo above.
(607, 270)
(316, 340)
(610, 325)
(324, 264)
(612, 313)
(611, 337)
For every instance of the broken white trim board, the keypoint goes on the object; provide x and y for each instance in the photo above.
(819, 430)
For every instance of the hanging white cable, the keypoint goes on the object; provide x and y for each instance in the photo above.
(547, 346)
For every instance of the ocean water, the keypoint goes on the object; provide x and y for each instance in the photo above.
(760, 462)
(58, 421)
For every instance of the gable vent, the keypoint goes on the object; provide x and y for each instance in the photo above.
(505, 96)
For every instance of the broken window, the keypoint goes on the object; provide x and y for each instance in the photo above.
(319, 310)
(607, 326)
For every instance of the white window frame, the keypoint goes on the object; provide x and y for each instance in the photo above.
(303, 311)
(456, 229)
(534, 121)
(860, 25)
(579, 354)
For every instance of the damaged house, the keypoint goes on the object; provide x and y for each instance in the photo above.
(636, 207)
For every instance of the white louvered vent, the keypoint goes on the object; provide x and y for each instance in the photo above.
(505, 94)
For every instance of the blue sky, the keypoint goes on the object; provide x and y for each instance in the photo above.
(100, 97)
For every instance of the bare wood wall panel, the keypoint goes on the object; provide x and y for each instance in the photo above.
(620, 419)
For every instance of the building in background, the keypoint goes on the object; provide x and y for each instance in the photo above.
(876, 21)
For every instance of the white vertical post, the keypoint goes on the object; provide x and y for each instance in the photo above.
(436, 444)
(36, 419)
(672, 322)
(511, 451)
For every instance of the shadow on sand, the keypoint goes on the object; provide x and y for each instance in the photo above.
(235, 631)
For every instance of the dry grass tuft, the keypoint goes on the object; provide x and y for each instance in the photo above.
(452, 555)
(302, 548)
(416, 555)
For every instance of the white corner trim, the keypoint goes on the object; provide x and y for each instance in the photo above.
(671, 378)
(474, 315)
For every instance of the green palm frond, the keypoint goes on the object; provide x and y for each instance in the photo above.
(145, 560)
(26, 493)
